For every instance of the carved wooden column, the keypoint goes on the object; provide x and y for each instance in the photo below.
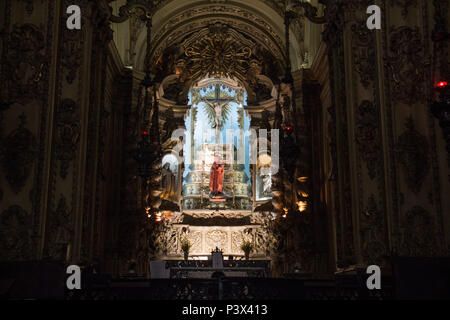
(335, 40)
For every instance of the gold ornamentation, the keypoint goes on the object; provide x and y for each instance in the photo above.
(218, 54)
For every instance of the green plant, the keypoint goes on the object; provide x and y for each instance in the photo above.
(186, 245)
(246, 246)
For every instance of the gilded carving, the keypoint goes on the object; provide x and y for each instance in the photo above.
(216, 238)
(367, 137)
(176, 26)
(373, 232)
(25, 63)
(197, 26)
(218, 53)
(413, 155)
(71, 51)
(237, 237)
(407, 65)
(15, 234)
(418, 236)
(364, 53)
(19, 152)
(195, 238)
(67, 134)
(60, 231)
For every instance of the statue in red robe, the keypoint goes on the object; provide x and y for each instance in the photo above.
(216, 178)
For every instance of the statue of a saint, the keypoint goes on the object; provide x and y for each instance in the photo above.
(168, 182)
(267, 184)
(216, 178)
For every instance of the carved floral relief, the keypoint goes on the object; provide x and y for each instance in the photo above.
(418, 236)
(19, 152)
(15, 234)
(407, 64)
(367, 137)
(25, 63)
(413, 155)
(67, 134)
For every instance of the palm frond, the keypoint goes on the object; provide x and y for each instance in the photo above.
(226, 111)
(210, 112)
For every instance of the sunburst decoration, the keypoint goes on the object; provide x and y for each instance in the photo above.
(219, 55)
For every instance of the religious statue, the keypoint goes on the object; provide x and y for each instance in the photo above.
(168, 182)
(216, 179)
(267, 184)
(217, 114)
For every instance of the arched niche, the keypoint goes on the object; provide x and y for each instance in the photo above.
(258, 20)
(218, 50)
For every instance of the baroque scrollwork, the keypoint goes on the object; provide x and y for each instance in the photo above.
(364, 53)
(18, 154)
(419, 237)
(413, 155)
(67, 134)
(407, 64)
(25, 63)
(218, 53)
(215, 238)
(15, 234)
(260, 29)
(71, 53)
(372, 232)
(367, 137)
(60, 230)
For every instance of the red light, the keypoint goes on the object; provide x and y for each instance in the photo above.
(288, 128)
(441, 84)
(144, 133)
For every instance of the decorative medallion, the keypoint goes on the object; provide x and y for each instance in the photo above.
(217, 238)
(218, 52)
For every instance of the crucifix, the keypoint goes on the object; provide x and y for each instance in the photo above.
(217, 110)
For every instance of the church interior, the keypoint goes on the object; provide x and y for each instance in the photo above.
(224, 149)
